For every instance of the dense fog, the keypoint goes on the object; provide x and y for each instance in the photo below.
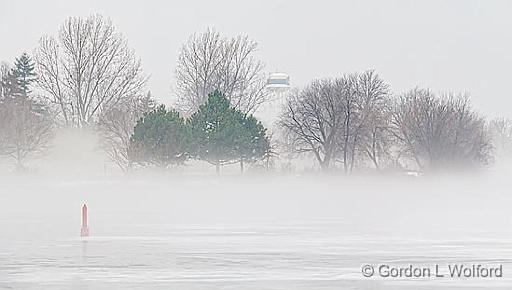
(195, 229)
(256, 145)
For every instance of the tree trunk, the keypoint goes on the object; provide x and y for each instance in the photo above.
(374, 151)
(19, 161)
(241, 166)
(347, 136)
(325, 164)
(376, 163)
(217, 167)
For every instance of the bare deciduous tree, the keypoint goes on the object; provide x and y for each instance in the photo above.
(440, 132)
(312, 121)
(4, 73)
(25, 130)
(116, 127)
(209, 62)
(377, 141)
(500, 130)
(87, 68)
(364, 97)
(337, 119)
(9, 87)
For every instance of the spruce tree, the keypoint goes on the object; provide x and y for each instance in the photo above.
(24, 73)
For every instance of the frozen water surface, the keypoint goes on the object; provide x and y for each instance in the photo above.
(250, 233)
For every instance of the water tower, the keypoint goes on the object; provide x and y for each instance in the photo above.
(278, 85)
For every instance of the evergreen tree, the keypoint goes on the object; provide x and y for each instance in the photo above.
(159, 138)
(24, 73)
(252, 142)
(221, 134)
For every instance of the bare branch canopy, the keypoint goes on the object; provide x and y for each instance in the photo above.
(210, 62)
(87, 68)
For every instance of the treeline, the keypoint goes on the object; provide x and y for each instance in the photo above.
(355, 121)
(87, 76)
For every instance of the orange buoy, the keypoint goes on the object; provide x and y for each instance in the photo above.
(84, 231)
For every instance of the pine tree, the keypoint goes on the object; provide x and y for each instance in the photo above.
(221, 134)
(252, 142)
(159, 138)
(24, 73)
(213, 131)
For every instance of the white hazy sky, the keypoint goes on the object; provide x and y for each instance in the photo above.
(444, 45)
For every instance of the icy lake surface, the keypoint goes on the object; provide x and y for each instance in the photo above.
(227, 233)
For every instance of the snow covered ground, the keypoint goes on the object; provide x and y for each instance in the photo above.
(251, 233)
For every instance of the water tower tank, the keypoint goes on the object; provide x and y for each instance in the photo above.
(278, 81)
